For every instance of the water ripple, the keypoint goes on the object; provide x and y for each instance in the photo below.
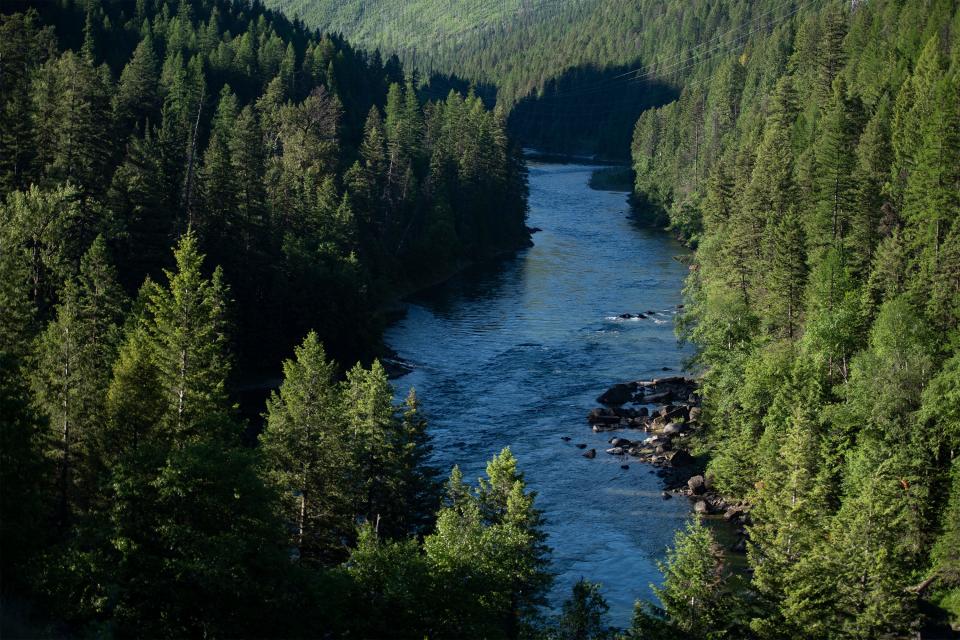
(515, 353)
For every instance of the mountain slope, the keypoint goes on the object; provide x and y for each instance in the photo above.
(607, 59)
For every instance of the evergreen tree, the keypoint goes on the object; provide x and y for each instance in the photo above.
(24, 44)
(74, 357)
(304, 451)
(372, 425)
(691, 591)
(835, 161)
(137, 101)
(419, 488)
(141, 199)
(186, 328)
(488, 549)
(24, 490)
(43, 230)
(71, 123)
(217, 181)
(582, 617)
(787, 273)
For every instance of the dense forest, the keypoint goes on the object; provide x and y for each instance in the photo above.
(309, 171)
(189, 190)
(198, 194)
(817, 171)
(575, 74)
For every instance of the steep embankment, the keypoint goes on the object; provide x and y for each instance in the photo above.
(818, 170)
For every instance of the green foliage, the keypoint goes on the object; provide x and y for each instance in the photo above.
(582, 616)
(692, 591)
(489, 550)
(823, 304)
(305, 455)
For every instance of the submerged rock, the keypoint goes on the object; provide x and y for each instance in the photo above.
(590, 454)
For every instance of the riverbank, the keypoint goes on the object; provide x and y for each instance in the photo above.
(668, 412)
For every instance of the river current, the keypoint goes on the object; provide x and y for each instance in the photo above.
(515, 354)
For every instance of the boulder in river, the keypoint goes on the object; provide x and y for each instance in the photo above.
(657, 398)
(697, 485)
(600, 428)
(617, 394)
(733, 514)
(666, 495)
(701, 507)
(674, 428)
(620, 442)
(590, 454)
(565, 438)
(615, 451)
(624, 466)
(581, 446)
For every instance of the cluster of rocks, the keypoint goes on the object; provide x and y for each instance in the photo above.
(657, 391)
(670, 414)
(706, 501)
(675, 416)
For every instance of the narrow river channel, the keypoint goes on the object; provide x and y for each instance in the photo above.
(515, 353)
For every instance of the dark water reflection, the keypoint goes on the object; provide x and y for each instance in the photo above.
(515, 353)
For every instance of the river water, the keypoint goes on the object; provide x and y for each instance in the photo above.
(515, 353)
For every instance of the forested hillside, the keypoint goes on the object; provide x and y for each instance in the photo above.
(577, 72)
(187, 191)
(817, 170)
(309, 172)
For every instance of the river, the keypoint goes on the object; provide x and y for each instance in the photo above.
(515, 353)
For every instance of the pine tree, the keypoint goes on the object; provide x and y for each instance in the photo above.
(583, 614)
(45, 230)
(946, 551)
(419, 487)
(836, 188)
(372, 425)
(71, 123)
(691, 590)
(830, 54)
(23, 474)
(305, 456)
(217, 181)
(789, 513)
(137, 101)
(786, 278)
(17, 309)
(74, 357)
(24, 45)
(135, 402)
(503, 500)
(932, 203)
(874, 157)
(140, 197)
(488, 551)
(186, 325)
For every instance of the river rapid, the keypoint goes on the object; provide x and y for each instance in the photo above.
(515, 354)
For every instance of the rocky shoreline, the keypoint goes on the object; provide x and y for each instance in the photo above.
(667, 411)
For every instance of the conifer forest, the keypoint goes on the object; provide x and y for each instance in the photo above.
(279, 279)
